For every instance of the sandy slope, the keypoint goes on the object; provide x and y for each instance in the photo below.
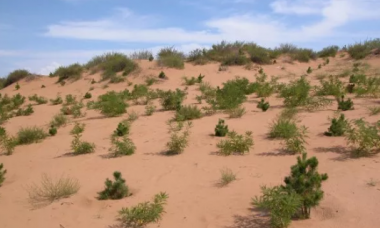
(190, 178)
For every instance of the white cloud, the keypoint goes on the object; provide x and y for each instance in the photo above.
(301, 7)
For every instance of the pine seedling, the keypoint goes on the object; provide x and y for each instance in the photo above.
(221, 129)
(114, 189)
(263, 105)
(345, 105)
(338, 126)
(162, 75)
(122, 128)
(309, 70)
(17, 86)
(52, 130)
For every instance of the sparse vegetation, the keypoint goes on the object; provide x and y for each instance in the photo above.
(363, 137)
(17, 86)
(81, 147)
(171, 100)
(59, 120)
(227, 176)
(38, 100)
(7, 143)
(114, 190)
(332, 86)
(296, 143)
(179, 137)
(122, 146)
(162, 75)
(221, 129)
(29, 135)
(362, 49)
(56, 101)
(236, 144)
(187, 112)
(150, 109)
(78, 128)
(15, 76)
(71, 72)
(338, 126)
(374, 110)
(50, 190)
(144, 213)
(132, 116)
(237, 112)
(144, 54)
(309, 70)
(170, 57)
(328, 52)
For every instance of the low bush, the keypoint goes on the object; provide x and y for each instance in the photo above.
(114, 189)
(296, 143)
(123, 128)
(144, 213)
(59, 120)
(264, 106)
(283, 128)
(170, 57)
(262, 87)
(171, 100)
(81, 147)
(111, 104)
(179, 138)
(38, 100)
(362, 49)
(50, 190)
(87, 95)
(15, 76)
(227, 176)
(150, 109)
(144, 54)
(363, 137)
(72, 72)
(78, 128)
(122, 146)
(338, 126)
(150, 81)
(29, 135)
(235, 143)
(188, 112)
(231, 96)
(133, 116)
(56, 101)
(221, 129)
(25, 112)
(345, 105)
(17, 86)
(328, 51)
(7, 143)
(309, 70)
(52, 131)
(332, 86)
(374, 110)
(2, 173)
(237, 112)
(162, 75)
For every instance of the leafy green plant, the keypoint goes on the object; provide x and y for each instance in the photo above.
(329, 51)
(281, 204)
(345, 105)
(7, 143)
(237, 112)
(171, 100)
(283, 128)
(15, 76)
(114, 189)
(111, 104)
(221, 129)
(235, 143)
(263, 105)
(78, 128)
(29, 135)
(87, 95)
(123, 128)
(72, 71)
(59, 120)
(179, 138)
(296, 143)
(144, 213)
(50, 190)
(262, 87)
(37, 99)
(150, 109)
(306, 182)
(187, 112)
(363, 137)
(362, 49)
(338, 126)
(81, 147)
(309, 70)
(162, 75)
(2, 173)
(170, 57)
(56, 101)
(332, 86)
(122, 146)
(227, 176)
(52, 130)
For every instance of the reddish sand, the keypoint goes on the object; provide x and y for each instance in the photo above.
(190, 178)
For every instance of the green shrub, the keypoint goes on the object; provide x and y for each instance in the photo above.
(264, 106)
(303, 55)
(345, 105)
(237, 112)
(327, 61)
(81, 147)
(59, 120)
(187, 112)
(179, 138)
(374, 110)
(15, 76)
(231, 96)
(111, 63)
(362, 49)
(37, 99)
(333, 86)
(170, 57)
(150, 81)
(111, 104)
(17, 86)
(123, 128)
(52, 130)
(235, 143)
(78, 128)
(281, 204)
(151, 58)
(7, 143)
(363, 137)
(114, 189)
(309, 70)
(72, 72)
(369, 87)
(306, 182)
(259, 55)
(235, 59)
(29, 135)
(221, 129)
(198, 56)
(150, 109)
(296, 143)
(338, 126)
(51, 190)
(283, 128)
(56, 101)
(170, 100)
(144, 213)
(227, 176)
(87, 95)
(25, 112)
(138, 92)
(132, 116)
(2, 173)
(328, 52)
(144, 54)
(262, 87)
(162, 75)
(122, 146)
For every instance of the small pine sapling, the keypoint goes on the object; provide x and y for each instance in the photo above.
(17, 87)
(263, 105)
(200, 78)
(87, 95)
(309, 70)
(345, 105)
(350, 87)
(122, 128)
(261, 71)
(114, 189)
(306, 182)
(2, 173)
(151, 58)
(162, 75)
(52, 130)
(338, 126)
(221, 129)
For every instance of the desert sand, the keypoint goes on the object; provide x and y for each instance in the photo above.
(195, 201)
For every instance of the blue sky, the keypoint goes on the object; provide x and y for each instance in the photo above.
(41, 35)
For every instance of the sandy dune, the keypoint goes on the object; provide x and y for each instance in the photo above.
(190, 178)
